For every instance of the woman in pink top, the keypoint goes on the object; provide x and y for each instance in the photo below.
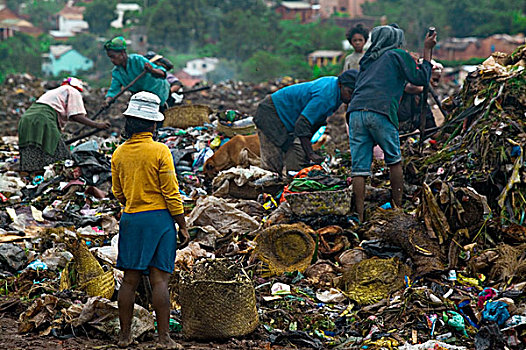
(39, 137)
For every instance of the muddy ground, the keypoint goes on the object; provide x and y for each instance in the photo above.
(10, 338)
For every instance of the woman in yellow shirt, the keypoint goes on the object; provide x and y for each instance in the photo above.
(145, 182)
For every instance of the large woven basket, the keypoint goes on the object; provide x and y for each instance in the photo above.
(103, 285)
(187, 116)
(218, 301)
(320, 203)
(285, 248)
(231, 131)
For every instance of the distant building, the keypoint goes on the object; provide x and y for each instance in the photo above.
(187, 79)
(121, 9)
(302, 10)
(63, 58)
(351, 8)
(199, 67)
(10, 23)
(70, 21)
(322, 58)
(460, 49)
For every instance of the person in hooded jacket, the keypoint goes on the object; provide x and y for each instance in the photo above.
(373, 120)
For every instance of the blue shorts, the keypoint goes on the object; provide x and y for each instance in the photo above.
(367, 129)
(147, 239)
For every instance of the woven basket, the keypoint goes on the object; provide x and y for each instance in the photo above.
(91, 276)
(186, 116)
(103, 285)
(286, 248)
(320, 203)
(217, 301)
(231, 131)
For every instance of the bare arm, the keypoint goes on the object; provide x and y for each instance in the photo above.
(413, 89)
(303, 132)
(82, 119)
(429, 43)
(183, 230)
(156, 72)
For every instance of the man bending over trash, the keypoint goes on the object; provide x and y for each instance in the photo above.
(287, 119)
(384, 70)
(144, 181)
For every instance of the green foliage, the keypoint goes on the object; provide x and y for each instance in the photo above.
(225, 70)
(21, 53)
(99, 15)
(470, 62)
(178, 60)
(257, 34)
(459, 18)
(41, 12)
(331, 69)
(178, 23)
(88, 45)
(261, 66)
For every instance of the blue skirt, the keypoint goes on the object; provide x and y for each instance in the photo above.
(147, 239)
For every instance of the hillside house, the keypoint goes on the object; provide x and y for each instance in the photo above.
(322, 58)
(70, 21)
(10, 23)
(302, 10)
(63, 58)
(121, 9)
(460, 49)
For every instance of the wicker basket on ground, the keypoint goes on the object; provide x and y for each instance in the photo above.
(320, 202)
(91, 276)
(286, 248)
(218, 301)
(186, 116)
(231, 131)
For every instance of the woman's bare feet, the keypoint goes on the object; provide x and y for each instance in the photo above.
(165, 342)
(125, 340)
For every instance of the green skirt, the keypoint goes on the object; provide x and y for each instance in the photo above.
(39, 138)
(39, 127)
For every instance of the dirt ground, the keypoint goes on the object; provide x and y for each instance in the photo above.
(12, 340)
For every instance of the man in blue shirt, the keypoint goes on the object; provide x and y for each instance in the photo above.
(288, 118)
(128, 67)
(373, 119)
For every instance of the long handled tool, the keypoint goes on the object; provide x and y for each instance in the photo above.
(112, 101)
(123, 90)
(93, 132)
(423, 110)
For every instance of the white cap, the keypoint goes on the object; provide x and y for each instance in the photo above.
(74, 82)
(145, 105)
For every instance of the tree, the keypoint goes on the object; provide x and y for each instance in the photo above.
(178, 23)
(459, 18)
(20, 53)
(42, 12)
(99, 14)
(245, 32)
(261, 66)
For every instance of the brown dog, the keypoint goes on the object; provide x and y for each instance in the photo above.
(240, 150)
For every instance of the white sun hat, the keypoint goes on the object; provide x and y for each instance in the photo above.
(74, 82)
(145, 105)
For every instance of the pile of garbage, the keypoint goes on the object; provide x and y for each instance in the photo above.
(481, 142)
(239, 96)
(448, 272)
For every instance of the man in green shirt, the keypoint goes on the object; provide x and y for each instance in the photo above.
(128, 67)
